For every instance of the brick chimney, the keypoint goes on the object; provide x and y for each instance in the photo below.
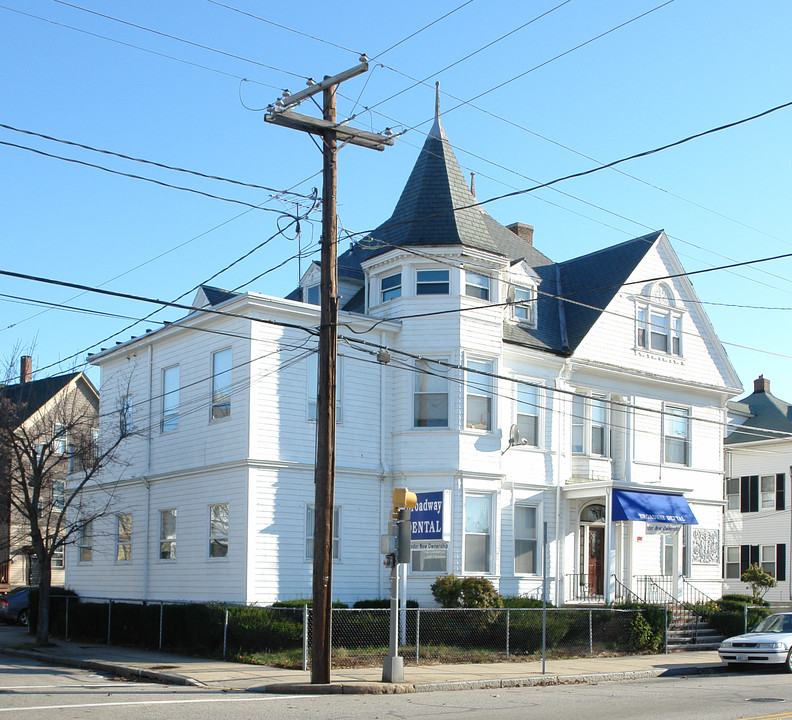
(523, 231)
(761, 384)
(25, 368)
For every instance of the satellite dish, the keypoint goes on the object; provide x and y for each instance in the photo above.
(514, 436)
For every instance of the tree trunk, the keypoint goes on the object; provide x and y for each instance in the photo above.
(45, 584)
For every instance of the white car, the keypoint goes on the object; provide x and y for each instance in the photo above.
(770, 642)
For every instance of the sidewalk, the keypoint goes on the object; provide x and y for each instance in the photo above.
(229, 676)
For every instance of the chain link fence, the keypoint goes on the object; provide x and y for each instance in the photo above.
(360, 637)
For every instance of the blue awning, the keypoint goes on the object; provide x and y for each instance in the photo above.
(651, 507)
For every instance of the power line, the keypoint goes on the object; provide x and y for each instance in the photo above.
(179, 39)
(420, 30)
(157, 164)
(140, 177)
(137, 47)
(584, 173)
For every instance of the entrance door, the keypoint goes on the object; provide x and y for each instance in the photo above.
(596, 559)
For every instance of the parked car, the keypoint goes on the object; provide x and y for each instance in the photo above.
(770, 642)
(14, 606)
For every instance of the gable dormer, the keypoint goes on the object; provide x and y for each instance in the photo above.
(522, 291)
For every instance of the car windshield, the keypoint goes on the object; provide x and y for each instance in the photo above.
(775, 624)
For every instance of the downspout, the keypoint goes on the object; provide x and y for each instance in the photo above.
(384, 469)
(560, 420)
(147, 472)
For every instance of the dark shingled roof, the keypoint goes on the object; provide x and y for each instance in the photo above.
(590, 282)
(35, 394)
(771, 419)
(215, 296)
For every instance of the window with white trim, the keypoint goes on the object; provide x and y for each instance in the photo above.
(432, 282)
(221, 384)
(391, 287)
(768, 559)
(733, 495)
(668, 554)
(733, 562)
(528, 414)
(85, 542)
(59, 441)
(477, 285)
(218, 530)
(478, 533)
(768, 491)
(526, 560)
(430, 395)
(58, 494)
(591, 425)
(124, 537)
(658, 323)
(676, 435)
(167, 534)
(58, 558)
(310, 522)
(524, 305)
(479, 395)
(170, 398)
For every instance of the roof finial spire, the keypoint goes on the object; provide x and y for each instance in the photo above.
(437, 128)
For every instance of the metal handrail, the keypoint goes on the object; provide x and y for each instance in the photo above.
(631, 594)
(698, 594)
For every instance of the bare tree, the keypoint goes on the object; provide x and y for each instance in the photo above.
(50, 453)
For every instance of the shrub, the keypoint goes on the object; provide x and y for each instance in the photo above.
(523, 602)
(643, 637)
(299, 602)
(379, 604)
(480, 593)
(759, 580)
(447, 590)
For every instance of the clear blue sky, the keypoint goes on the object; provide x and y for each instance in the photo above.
(681, 69)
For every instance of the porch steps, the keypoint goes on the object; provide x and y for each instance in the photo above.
(690, 634)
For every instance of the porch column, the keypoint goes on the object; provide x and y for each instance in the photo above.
(610, 549)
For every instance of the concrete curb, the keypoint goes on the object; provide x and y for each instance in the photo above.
(126, 671)
(489, 684)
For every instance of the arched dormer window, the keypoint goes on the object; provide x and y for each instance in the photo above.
(658, 321)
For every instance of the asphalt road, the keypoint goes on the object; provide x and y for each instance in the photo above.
(30, 690)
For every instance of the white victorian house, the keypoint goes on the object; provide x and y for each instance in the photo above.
(516, 395)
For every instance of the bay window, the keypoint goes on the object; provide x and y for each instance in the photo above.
(528, 414)
(479, 396)
(430, 395)
(478, 533)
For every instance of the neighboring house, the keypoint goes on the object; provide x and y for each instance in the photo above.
(758, 521)
(515, 394)
(43, 403)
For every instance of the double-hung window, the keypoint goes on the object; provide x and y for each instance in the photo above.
(479, 395)
(477, 285)
(310, 522)
(525, 540)
(85, 542)
(59, 442)
(528, 414)
(733, 493)
(432, 282)
(430, 395)
(312, 295)
(218, 530)
(170, 398)
(590, 425)
(478, 533)
(658, 323)
(391, 287)
(221, 384)
(676, 435)
(768, 559)
(524, 302)
(732, 562)
(124, 537)
(167, 535)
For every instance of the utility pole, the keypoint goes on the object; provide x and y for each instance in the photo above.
(324, 473)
